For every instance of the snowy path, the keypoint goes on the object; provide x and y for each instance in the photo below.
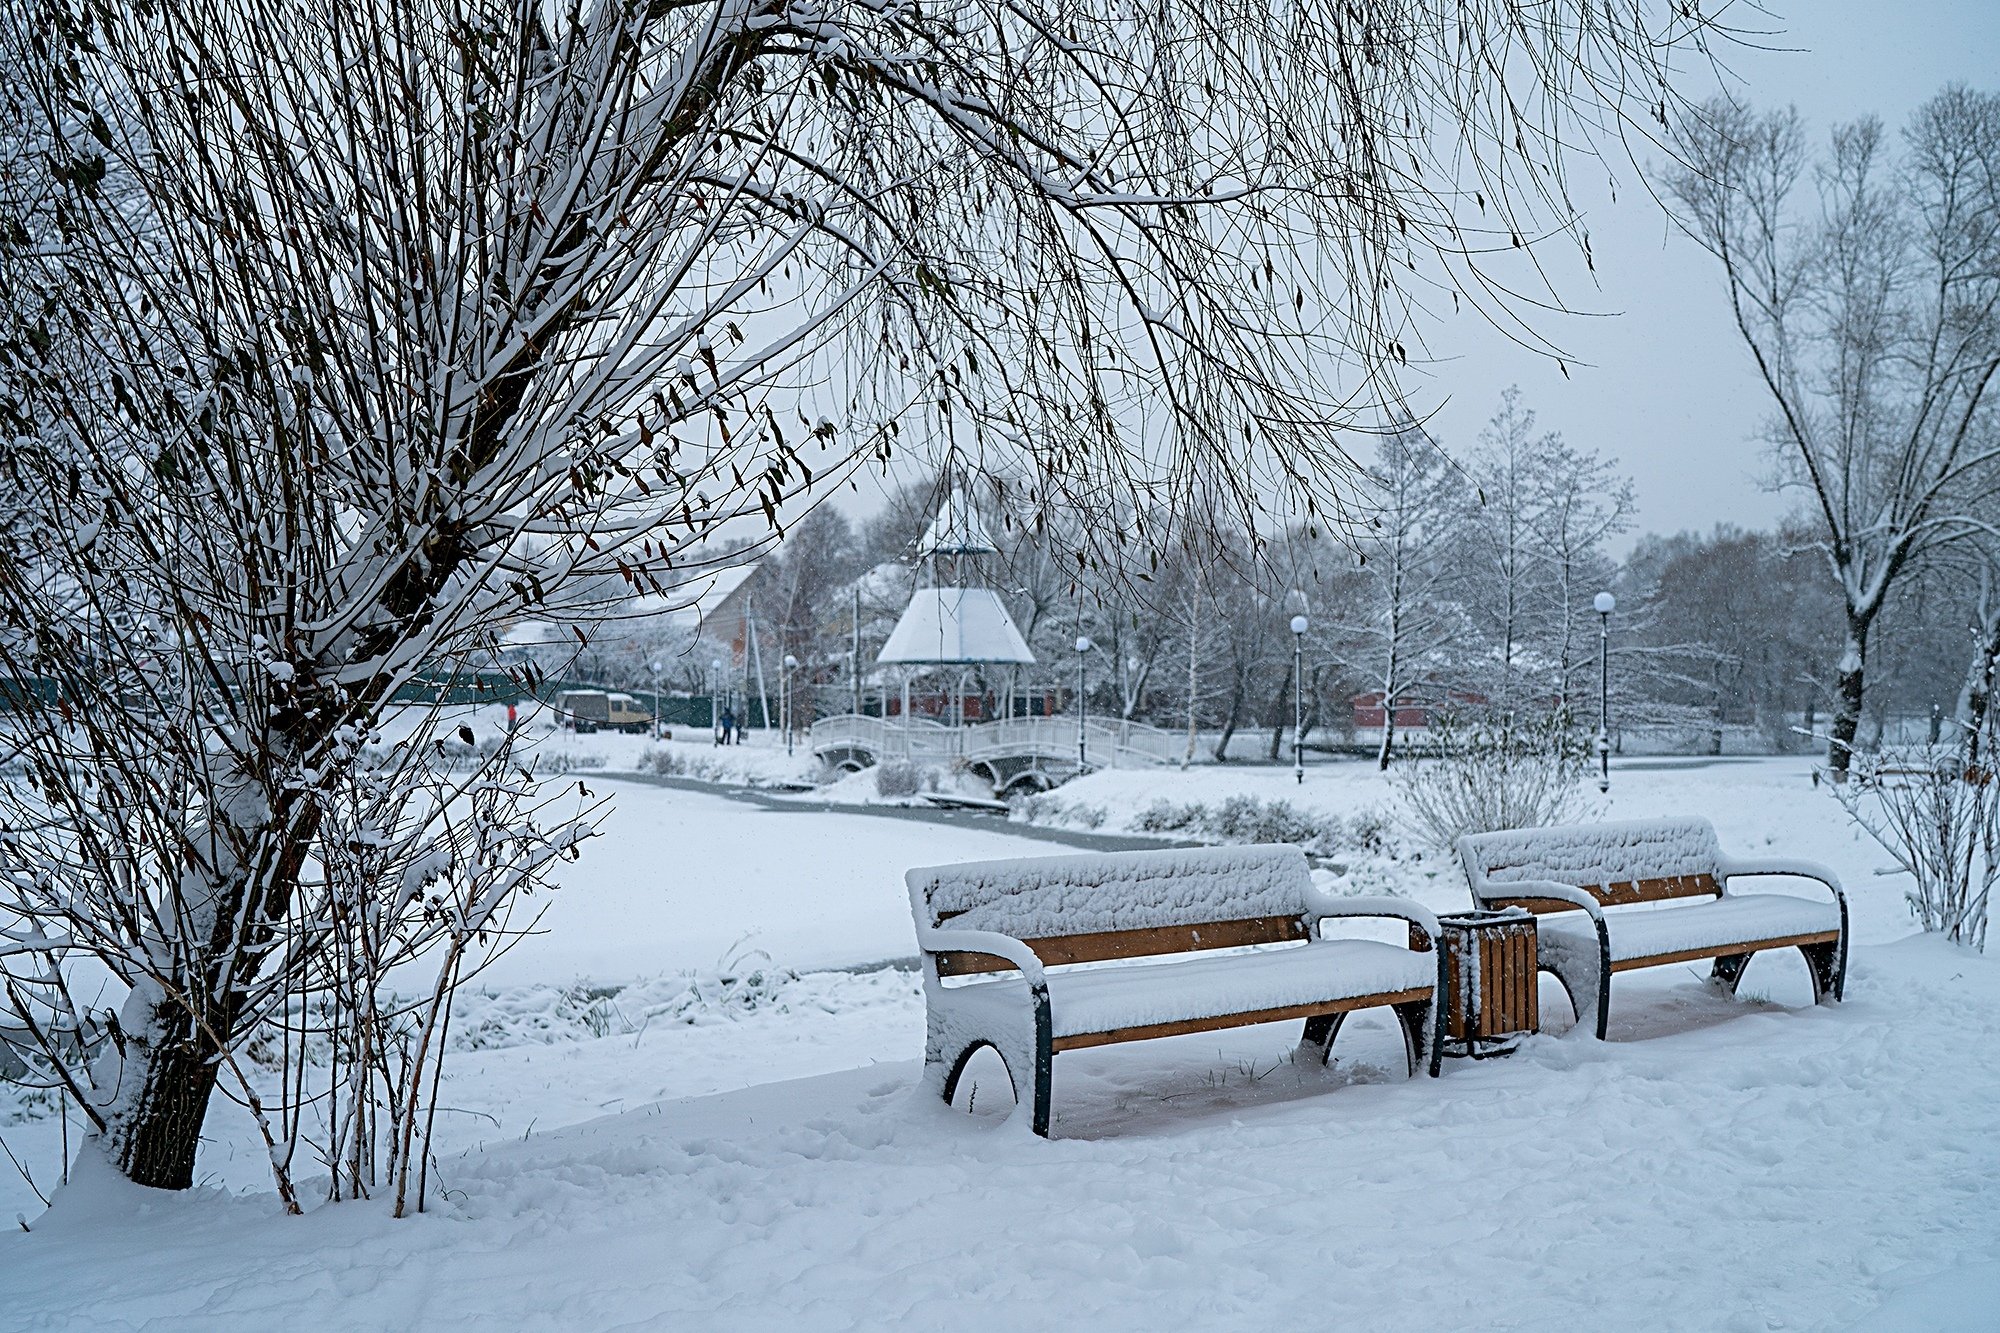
(1759, 1170)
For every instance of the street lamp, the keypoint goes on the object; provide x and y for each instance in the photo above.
(1605, 604)
(791, 665)
(715, 704)
(1299, 626)
(656, 668)
(1083, 645)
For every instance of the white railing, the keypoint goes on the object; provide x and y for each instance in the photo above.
(1106, 743)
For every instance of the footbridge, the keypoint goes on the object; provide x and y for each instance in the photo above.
(1020, 753)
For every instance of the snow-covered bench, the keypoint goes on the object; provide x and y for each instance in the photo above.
(1061, 926)
(1640, 893)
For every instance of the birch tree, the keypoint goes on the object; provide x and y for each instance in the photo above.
(423, 315)
(1866, 288)
(1411, 615)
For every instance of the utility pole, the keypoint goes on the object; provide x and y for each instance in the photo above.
(1083, 646)
(756, 659)
(1299, 626)
(1605, 604)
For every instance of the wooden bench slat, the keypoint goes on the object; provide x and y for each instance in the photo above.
(1724, 950)
(1147, 942)
(1291, 1011)
(1619, 895)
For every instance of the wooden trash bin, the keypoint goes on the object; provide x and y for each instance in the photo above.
(1489, 964)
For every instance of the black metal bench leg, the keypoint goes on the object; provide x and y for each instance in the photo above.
(1728, 972)
(1823, 961)
(1045, 1062)
(1316, 1042)
(1415, 1016)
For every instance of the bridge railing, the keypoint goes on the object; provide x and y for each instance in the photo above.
(1107, 743)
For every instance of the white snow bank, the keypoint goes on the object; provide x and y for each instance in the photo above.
(683, 879)
(1749, 1168)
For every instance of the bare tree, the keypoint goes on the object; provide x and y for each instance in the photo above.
(1500, 537)
(1584, 503)
(428, 314)
(1870, 302)
(1411, 615)
(1534, 551)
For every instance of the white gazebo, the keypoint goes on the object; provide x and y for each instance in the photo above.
(955, 621)
(954, 625)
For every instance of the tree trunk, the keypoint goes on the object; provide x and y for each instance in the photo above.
(1715, 705)
(1221, 750)
(1976, 699)
(1278, 717)
(1849, 690)
(165, 1073)
(1388, 733)
(153, 1142)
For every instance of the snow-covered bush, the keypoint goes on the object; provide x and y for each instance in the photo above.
(1244, 819)
(669, 762)
(1496, 772)
(1164, 816)
(899, 777)
(1247, 819)
(1936, 810)
(1045, 807)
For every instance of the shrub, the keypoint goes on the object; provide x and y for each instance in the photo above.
(1495, 772)
(1164, 816)
(898, 777)
(1936, 810)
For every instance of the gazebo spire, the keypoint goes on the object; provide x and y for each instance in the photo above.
(956, 531)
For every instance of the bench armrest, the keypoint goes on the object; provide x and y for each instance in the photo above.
(1490, 890)
(1731, 867)
(990, 942)
(1325, 905)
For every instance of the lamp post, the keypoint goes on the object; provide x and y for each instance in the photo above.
(1299, 626)
(715, 704)
(785, 704)
(1605, 604)
(1083, 645)
(656, 668)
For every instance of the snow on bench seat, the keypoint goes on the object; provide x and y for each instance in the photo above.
(1041, 897)
(1130, 945)
(1643, 892)
(1099, 998)
(1642, 932)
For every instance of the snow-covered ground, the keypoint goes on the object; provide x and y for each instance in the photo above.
(654, 1126)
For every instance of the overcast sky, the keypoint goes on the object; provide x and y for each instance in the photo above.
(1659, 378)
(1666, 385)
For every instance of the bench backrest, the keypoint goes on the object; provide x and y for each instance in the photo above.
(1623, 861)
(1094, 907)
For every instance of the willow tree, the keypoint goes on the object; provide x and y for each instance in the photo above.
(412, 316)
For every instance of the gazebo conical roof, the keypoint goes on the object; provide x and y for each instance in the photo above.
(955, 627)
